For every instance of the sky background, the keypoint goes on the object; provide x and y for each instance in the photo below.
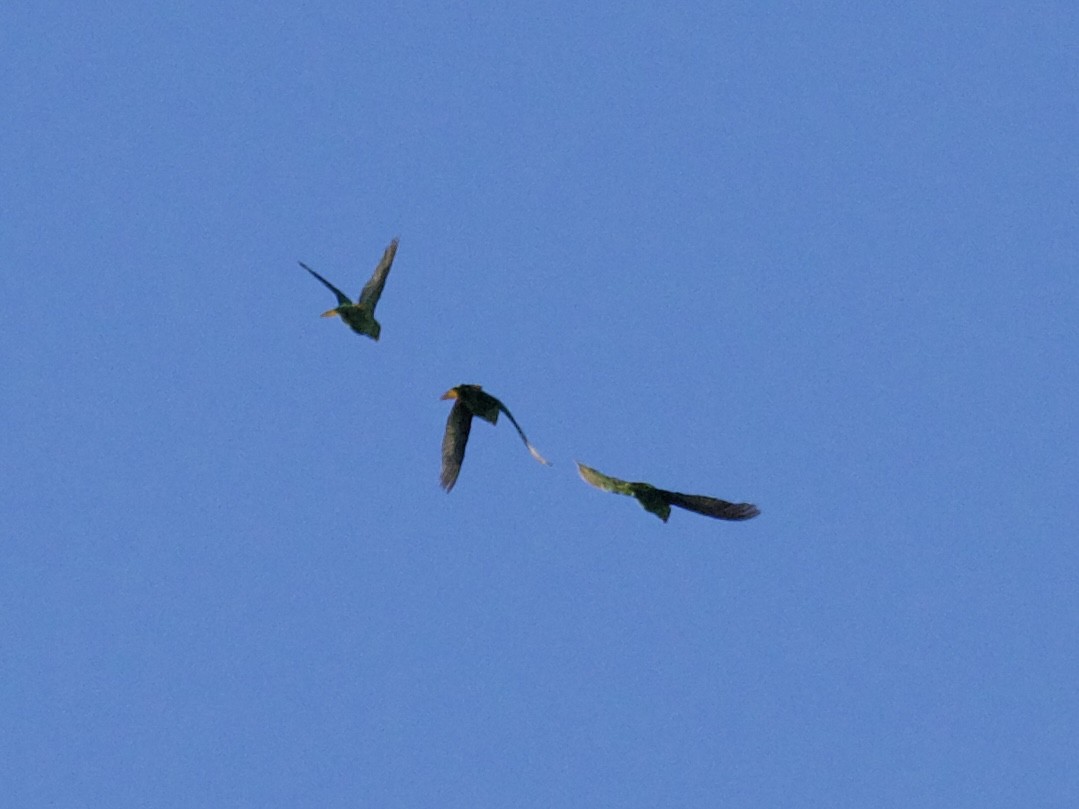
(819, 256)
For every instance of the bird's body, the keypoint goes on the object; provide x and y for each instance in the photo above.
(659, 501)
(360, 316)
(471, 400)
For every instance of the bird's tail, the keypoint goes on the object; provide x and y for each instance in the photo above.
(535, 453)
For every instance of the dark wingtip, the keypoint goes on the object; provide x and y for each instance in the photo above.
(747, 511)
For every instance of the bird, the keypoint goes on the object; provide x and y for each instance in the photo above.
(471, 400)
(659, 501)
(360, 316)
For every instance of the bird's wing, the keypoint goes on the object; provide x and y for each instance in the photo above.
(520, 432)
(602, 481)
(372, 290)
(650, 498)
(342, 298)
(712, 506)
(458, 425)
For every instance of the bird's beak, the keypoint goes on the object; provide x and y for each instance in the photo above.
(330, 313)
(450, 394)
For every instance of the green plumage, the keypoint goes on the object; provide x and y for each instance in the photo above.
(360, 316)
(659, 501)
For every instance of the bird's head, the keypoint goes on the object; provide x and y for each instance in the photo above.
(331, 312)
(459, 391)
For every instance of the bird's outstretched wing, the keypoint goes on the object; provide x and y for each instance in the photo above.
(372, 290)
(342, 298)
(650, 498)
(520, 432)
(602, 481)
(711, 506)
(458, 425)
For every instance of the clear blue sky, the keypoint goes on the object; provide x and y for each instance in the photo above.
(816, 256)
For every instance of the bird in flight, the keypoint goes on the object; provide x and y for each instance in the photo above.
(659, 501)
(360, 316)
(471, 400)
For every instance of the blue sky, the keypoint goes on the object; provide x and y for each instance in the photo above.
(821, 257)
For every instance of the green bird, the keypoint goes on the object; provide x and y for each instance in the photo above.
(471, 400)
(659, 501)
(360, 316)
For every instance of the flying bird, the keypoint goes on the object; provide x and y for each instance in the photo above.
(471, 400)
(659, 501)
(360, 316)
